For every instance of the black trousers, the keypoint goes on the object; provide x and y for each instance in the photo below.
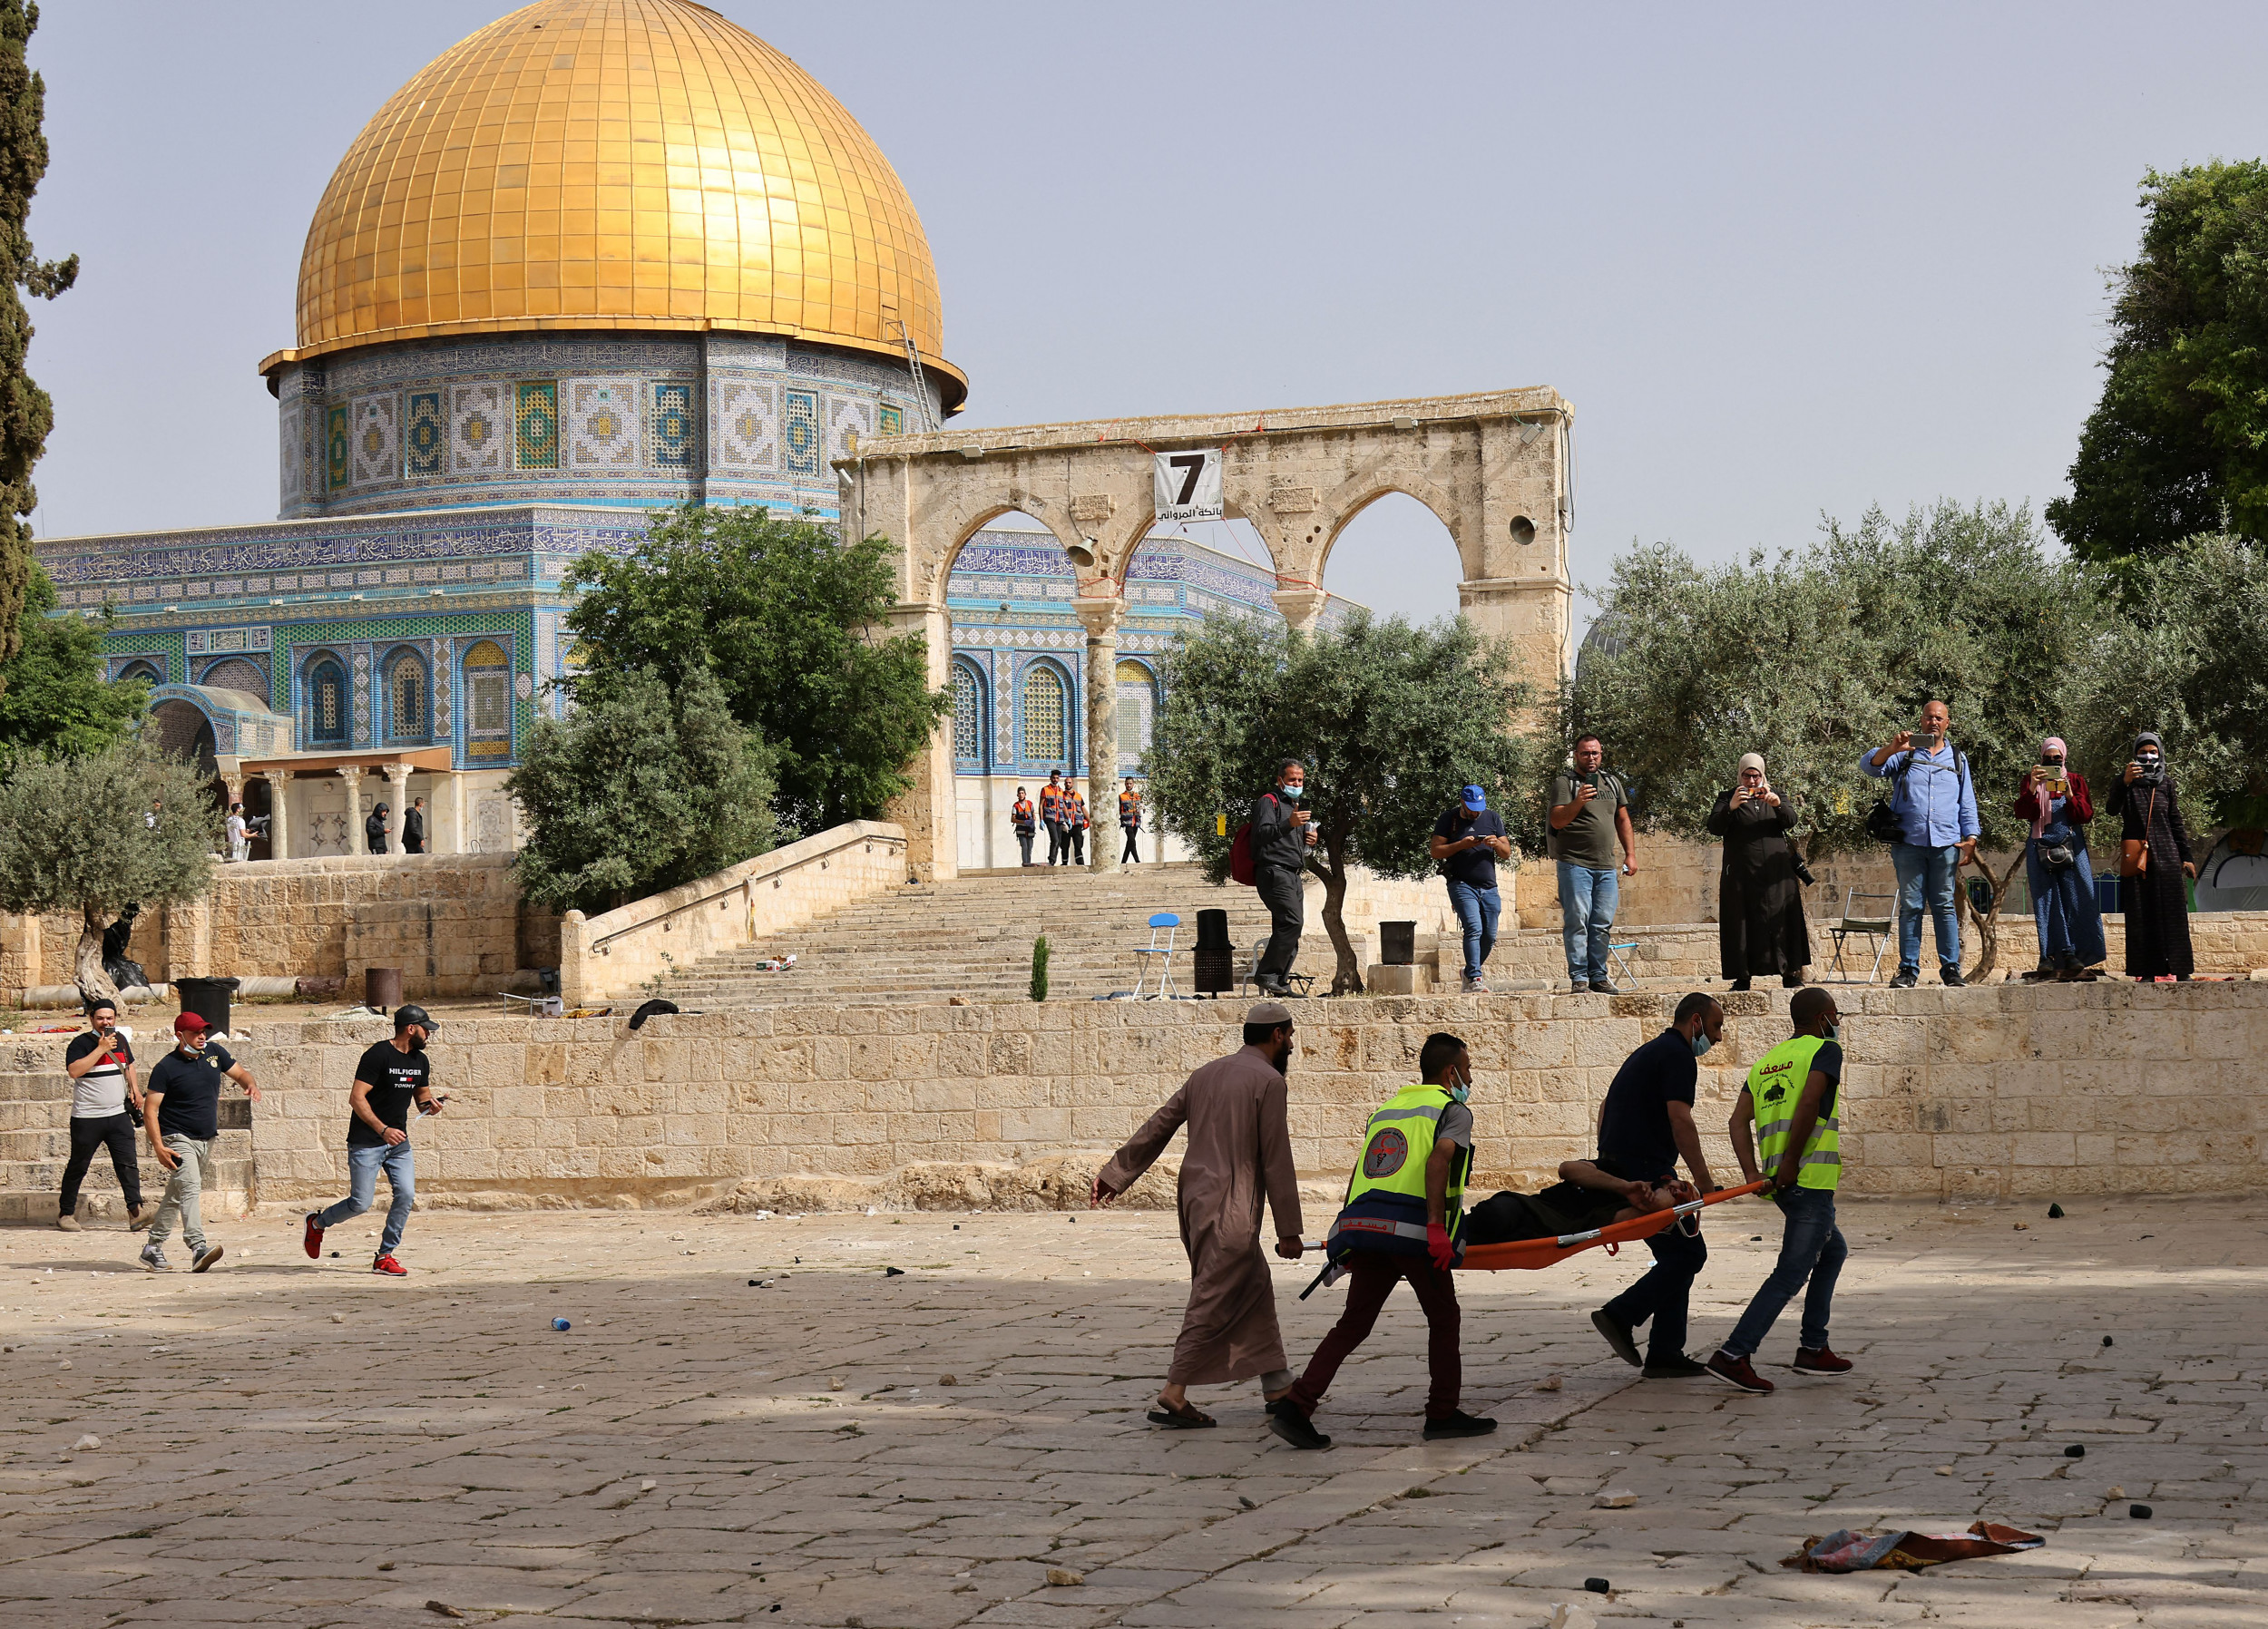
(1131, 857)
(1075, 838)
(1664, 1292)
(1281, 892)
(88, 1134)
(1058, 843)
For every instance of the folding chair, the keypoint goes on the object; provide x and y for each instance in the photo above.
(1168, 924)
(1616, 953)
(1875, 928)
(1302, 983)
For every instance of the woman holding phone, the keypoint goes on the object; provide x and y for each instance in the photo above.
(1760, 928)
(2054, 797)
(2153, 859)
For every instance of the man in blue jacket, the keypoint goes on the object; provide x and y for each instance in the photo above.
(1934, 800)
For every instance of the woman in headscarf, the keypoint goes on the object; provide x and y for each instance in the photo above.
(1760, 925)
(2154, 858)
(2054, 797)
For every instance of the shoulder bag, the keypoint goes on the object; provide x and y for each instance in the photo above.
(1881, 821)
(2134, 855)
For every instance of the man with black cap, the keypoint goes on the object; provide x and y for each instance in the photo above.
(180, 1112)
(1237, 1111)
(391, 1076)
(1468, 842)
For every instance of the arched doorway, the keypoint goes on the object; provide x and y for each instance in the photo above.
(1396, 557)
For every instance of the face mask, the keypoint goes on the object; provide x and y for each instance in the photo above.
(1296, 793)
(1832, 1032)
(1702, 1043)
(1462, 1092)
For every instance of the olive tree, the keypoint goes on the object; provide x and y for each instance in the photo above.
(78, 834)
(1389, 720)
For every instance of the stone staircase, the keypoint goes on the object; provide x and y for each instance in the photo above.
(973, 937)
(35, 1144)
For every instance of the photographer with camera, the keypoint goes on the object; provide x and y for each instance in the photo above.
(1760, 927)
(1590, 813)
(239, 834)
(1933, 802)
(2054, 797)
(2154, 858)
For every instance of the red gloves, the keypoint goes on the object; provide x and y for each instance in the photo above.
(1438, 1246)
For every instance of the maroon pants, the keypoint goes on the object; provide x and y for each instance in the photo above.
(1371, 1278)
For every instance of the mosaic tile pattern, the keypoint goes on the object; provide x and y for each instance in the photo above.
(290, 460)
(848, 419)
(602, 424)
(376, 436)
(675, 433)
(338, 448)
(536, 424)
(744, 419)
(799, 432)
(892, 421)
(425, 435)
(477, 428)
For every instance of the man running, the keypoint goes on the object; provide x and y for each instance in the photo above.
(390, 1076)
(180, 1111)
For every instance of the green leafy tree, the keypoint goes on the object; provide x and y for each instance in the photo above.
(1389, 720)
(2179, 443)
(75, 835)
(786, 618)
(1817, 657)
(26, 414)
(53, 698)
(640, 788)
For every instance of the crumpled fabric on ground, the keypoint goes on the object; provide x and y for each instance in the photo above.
(1850, 1550)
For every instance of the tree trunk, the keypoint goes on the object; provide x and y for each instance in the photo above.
(1989, 923)
(1347, 981)
(94, 984)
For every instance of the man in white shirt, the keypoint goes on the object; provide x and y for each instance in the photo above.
(104, 1086)
(239, 834)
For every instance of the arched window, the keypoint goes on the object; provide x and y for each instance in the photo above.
(409, 712)
(1044, 711)
(1138, 709)
(968, 714)
(487, 702)
(146, 672)
(327, 701)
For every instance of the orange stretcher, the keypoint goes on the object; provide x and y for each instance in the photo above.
(1531, 1253)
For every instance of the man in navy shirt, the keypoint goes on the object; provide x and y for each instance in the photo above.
(1645, 1126)
(1468, 842)
(180, 1112)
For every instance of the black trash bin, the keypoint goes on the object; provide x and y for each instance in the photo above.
(1212, 963)
(1397, 944)
(381, 988)
(208, 999)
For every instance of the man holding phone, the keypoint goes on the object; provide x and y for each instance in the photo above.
(1935, 801)
(1590, 813)
(391, 1076)
(105, 1104)
(1282, 834)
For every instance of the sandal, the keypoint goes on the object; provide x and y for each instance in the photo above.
(1187, 1418)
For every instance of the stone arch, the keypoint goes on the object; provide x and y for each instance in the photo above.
(236, 673)
(1338, 509)
(143, 668)
(929, 577)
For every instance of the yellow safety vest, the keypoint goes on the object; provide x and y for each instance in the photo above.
(1775, 1086)
(1396, 1144)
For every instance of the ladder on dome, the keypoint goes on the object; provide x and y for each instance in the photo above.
(920, 381)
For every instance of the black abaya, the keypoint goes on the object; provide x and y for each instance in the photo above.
(1760, 927)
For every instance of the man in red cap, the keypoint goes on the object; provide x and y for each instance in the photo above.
(180, 1111)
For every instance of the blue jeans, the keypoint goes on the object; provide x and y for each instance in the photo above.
(362, 1179)
(1812, 1248)
(2070, 922)
(1588, 899)
(1933, 874)
(1477, 909)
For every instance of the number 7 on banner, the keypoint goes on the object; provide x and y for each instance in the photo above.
(1188, 485)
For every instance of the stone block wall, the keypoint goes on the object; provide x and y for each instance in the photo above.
(2010, 1092)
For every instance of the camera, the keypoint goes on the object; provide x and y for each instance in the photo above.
(2152, 773)
(257, 824)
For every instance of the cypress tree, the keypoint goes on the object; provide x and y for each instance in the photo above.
(26, 414)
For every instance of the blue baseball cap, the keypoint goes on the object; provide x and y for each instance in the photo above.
(1475, 799)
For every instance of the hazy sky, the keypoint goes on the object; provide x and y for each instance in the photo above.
(1784, 260)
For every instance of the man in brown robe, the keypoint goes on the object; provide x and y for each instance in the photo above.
(1239, 1150)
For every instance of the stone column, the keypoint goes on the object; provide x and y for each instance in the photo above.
(1102, 617)
(355, 843)
(279, 812)
(456, 814)
(926, 809)
(397, 798)
(1300, 606)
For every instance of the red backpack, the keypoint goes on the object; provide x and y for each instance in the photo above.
(1240, 854)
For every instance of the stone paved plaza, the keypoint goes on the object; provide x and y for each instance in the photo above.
(292, 1443)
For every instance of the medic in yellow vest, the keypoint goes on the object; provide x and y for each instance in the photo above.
(1792, 1100)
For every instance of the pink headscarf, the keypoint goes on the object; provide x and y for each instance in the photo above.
(2049, 806)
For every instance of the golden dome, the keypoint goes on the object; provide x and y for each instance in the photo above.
(632, 164)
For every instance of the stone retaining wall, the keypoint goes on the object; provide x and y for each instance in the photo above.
(1978, 1093)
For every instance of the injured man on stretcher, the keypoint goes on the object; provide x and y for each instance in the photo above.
(1586, 1196)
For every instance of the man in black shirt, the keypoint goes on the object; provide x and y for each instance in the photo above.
(1281, 834)
(105, 1101)
(180, 1111)
(392, 1077)
(1645, 1126)
(414, 827)
(1468, 841)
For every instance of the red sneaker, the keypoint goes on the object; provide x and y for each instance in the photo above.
(313, 1238)
(1820, 1360)
(1738, 1371)
(390, 1267)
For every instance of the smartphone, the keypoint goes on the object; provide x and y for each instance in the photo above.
(1927, 742)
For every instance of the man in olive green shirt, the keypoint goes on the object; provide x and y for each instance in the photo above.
(1589, 813)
